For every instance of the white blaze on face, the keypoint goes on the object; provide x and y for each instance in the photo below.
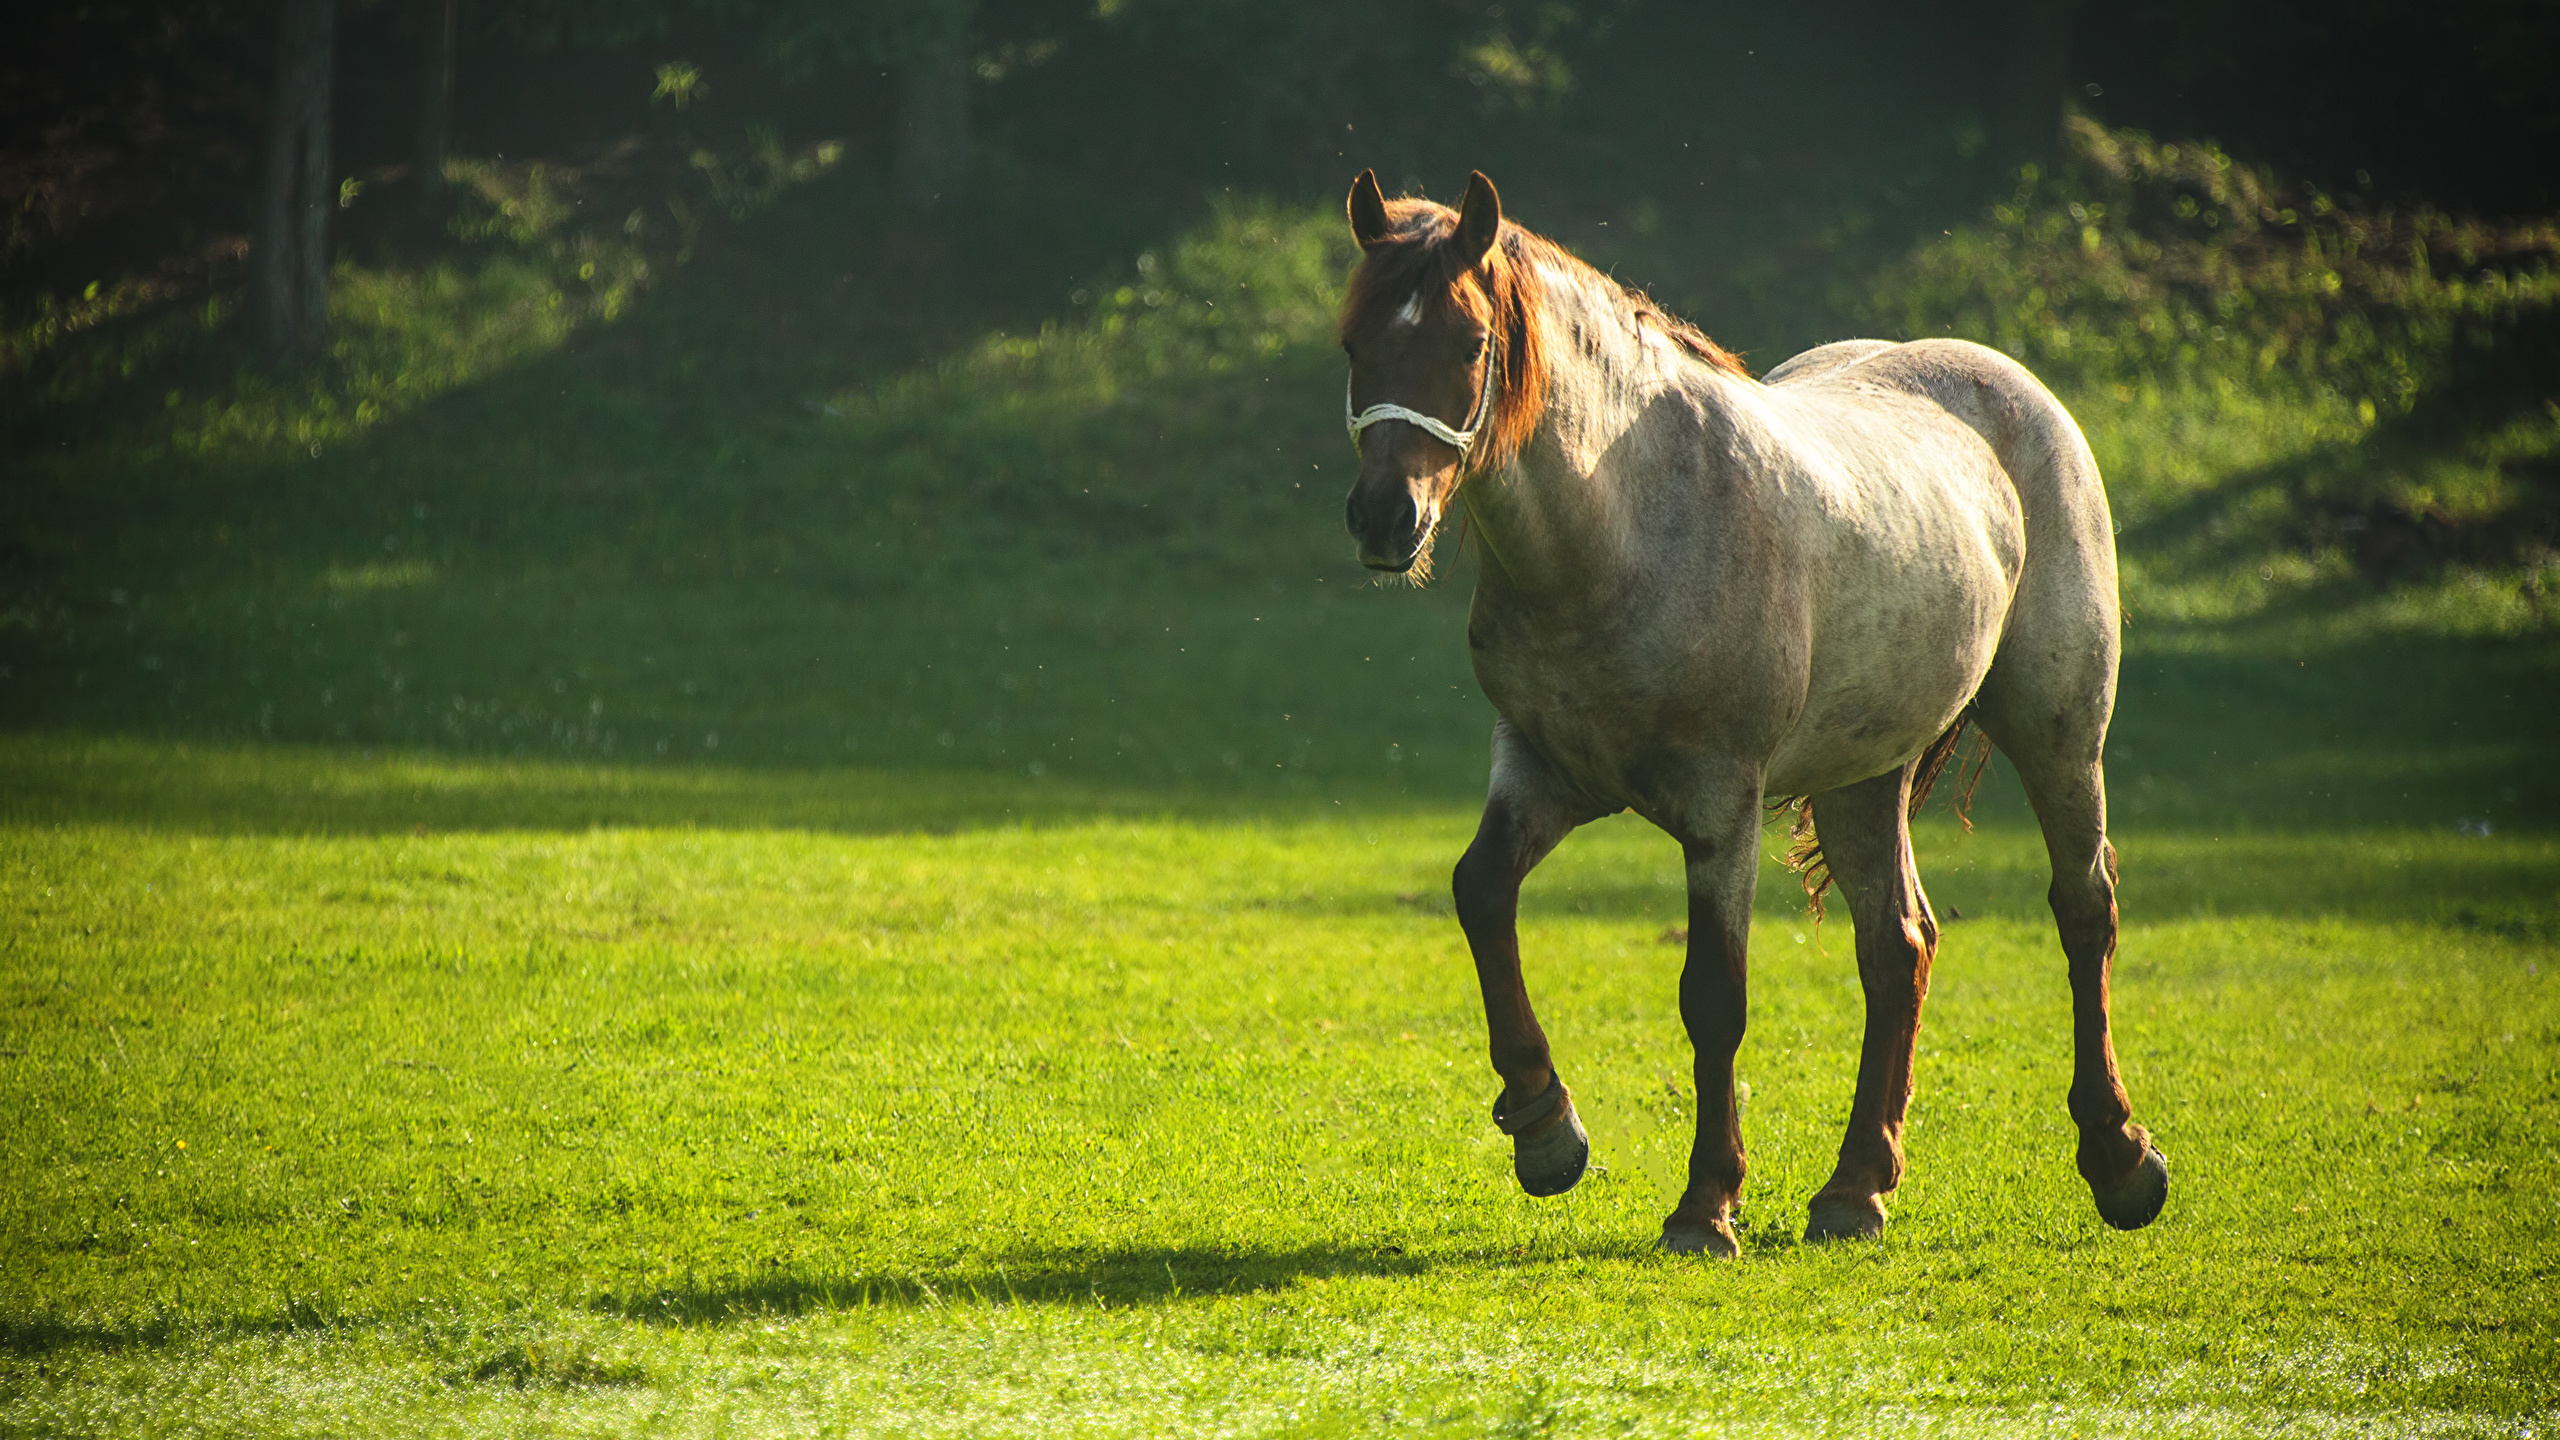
(1411, 314)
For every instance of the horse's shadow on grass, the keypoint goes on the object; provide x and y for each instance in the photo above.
(1096, 1278)
(1088, 1278)
(1084, 1278)
(35, 1336)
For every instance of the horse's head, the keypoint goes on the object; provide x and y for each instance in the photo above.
(1432, 326)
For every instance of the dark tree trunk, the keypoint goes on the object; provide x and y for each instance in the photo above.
(933, 112)
(440, 22)
(289, 281)
(319, 194)
(2034, 61)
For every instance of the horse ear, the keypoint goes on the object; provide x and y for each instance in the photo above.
(1368, 209)
(1479, 221)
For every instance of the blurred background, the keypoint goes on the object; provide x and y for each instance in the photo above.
(942, 393)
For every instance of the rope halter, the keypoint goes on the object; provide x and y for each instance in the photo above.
(1460, 440)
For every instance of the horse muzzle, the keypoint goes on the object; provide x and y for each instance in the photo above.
(1392, 523)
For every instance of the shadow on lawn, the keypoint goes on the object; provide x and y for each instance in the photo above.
(40, 1335)
(1141, 1275)
(244, 789)
(2383, 733)
(2296, 827)
(2494, 887)
(1093, 1279)
(1086, 1279)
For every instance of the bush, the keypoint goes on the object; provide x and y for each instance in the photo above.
(2359, 380)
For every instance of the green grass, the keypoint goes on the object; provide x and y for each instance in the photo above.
(754, 852)
(1107, 1125)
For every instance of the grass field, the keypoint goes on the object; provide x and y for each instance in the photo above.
(781, 859)
(1110, 1125)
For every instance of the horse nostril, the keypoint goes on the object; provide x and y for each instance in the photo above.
(1381, 513)
(1403, 516)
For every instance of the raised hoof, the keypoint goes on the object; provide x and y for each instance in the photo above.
(2137, 1201)
(1549, 1149)
(1712, 1238)
(1553, 1163)
(1844, 1217)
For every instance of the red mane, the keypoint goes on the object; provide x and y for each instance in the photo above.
(1418, 259)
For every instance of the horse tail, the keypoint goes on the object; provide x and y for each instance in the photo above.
(1942, 751)
(1804, 843)
(1804, 856)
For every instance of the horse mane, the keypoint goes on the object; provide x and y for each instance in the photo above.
(1419, 259)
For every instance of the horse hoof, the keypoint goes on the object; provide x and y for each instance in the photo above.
(1844, 1217)
(1549, 1149)
(1554, 1165)
(2137, 1201)
(1712, 1238)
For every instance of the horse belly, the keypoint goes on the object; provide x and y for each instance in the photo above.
(1888, 677)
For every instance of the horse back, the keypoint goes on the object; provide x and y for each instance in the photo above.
(2059, 641)
(2039, 446)
(1940, 483)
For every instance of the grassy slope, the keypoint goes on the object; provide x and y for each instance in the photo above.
(1041, 995)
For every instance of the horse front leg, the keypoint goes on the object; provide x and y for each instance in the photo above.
(1527, 811)
(1723, 861)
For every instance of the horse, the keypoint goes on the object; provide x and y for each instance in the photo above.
(1697, 591)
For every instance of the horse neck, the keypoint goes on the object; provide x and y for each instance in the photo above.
(1560, 513)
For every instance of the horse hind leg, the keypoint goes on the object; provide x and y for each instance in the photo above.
(2066, 783)
(1866, 842)
(2046, 703)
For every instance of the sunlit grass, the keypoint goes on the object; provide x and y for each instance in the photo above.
(1178, 1124)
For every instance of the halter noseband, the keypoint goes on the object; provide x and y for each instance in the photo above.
(1460, 440)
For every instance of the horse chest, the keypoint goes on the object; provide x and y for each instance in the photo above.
(1591, 697)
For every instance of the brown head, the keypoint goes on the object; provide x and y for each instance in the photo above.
(1438, 321)
(1442, 317)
